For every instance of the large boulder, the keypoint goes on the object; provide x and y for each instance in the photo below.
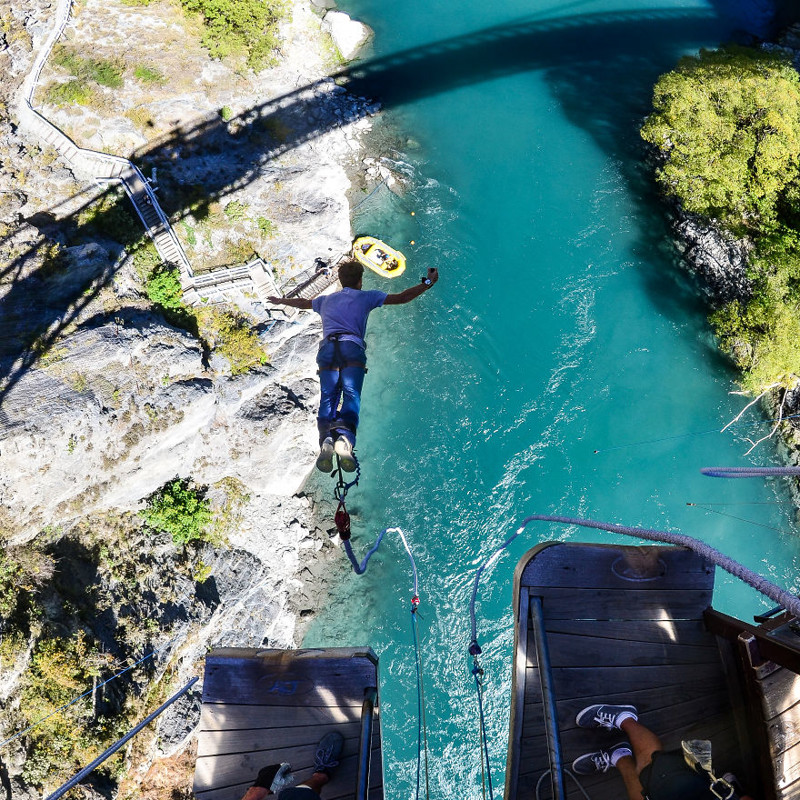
(348, 35)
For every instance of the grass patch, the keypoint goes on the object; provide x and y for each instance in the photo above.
(267, 227)
(103, 71)
(146, 74)
(140, 117)
(71, 93)
(236, 210)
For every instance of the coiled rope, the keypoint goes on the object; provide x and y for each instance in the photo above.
(783, 598)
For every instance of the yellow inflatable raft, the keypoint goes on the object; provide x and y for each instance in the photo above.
(379, 257)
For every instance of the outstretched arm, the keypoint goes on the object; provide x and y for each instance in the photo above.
(294, 302)
(407, 295)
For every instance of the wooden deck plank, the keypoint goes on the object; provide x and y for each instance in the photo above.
(600, 603)
(229, 769)
(644, 639)
(264, 707)
(784, 729)
(659, 720)
(222, 716)
(686, 631)
(780, 690)
(607, 565)
(225, 742)
(587, 651)
(255, 681)
(587, 683)
(787, 766)
(644, 699)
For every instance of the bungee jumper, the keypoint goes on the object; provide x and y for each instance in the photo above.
(342, 360)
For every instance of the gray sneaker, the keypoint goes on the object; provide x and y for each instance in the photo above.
(328, 751)
(602, 716)
(600, 760)
(325, 457)
(344, 450)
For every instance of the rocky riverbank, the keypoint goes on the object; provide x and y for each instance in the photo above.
(103, 400)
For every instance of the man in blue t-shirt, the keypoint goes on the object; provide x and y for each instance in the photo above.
(342, 359)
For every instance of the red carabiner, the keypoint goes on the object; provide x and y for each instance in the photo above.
(342, 520)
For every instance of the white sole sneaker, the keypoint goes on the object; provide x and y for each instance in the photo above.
(344, 451)
(325, 457)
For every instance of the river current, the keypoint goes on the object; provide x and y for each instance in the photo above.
(562, 364)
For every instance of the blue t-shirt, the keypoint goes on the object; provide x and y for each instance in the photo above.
(346, 311)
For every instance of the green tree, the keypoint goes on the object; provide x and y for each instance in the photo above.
(164, 287)
(247, 26)
(728, 124)
(179, 509)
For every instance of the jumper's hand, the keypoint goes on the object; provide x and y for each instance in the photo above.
(276, 300)
(433, 275)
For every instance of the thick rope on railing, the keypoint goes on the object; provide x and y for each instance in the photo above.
(748, 472)
(789, 601)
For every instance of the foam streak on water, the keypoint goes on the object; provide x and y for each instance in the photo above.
(559, 327)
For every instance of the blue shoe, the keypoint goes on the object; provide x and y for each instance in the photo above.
(602, 716)
(600, 760)
(328, 751)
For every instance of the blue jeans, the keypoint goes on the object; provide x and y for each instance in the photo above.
(337, 386)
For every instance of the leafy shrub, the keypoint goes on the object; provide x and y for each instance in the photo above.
(728, 124)
(61, 669)
(179, 509)
(147, 74)
(163, 287)
(240, 26)
(22, 571)
(70, 93)
(110, 217)
(232, 336)
(100, 70)
(226, 113)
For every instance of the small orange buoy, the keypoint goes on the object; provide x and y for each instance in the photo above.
(412, 242)
(413, 213)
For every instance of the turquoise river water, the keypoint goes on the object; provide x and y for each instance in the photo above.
(561, 326)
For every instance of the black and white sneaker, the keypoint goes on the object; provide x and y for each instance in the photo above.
(600, 760)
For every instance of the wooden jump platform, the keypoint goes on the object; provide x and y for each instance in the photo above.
(264, 707)
(622, 625)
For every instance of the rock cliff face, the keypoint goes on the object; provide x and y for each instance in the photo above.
(717, 260)
(102, 400)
